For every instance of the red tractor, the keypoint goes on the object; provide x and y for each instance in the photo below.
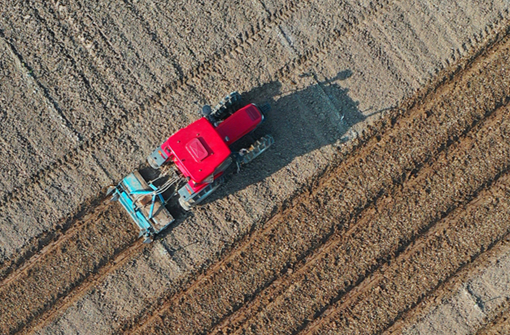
(191, 164)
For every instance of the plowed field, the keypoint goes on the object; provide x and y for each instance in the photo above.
(322, 265)
(384, 202)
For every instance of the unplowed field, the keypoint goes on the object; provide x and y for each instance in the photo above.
(388, 184)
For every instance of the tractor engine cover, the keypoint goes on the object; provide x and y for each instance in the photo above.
(197, 150)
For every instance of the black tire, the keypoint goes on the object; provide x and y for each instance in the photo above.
(228, 106)
(206, 110)
(184, 204)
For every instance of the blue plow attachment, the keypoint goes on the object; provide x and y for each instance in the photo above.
(144, 205)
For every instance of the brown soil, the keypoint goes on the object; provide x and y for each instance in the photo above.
(74, 261)
(500, 326)
(329, 248)
(360, 212)
(471, 300)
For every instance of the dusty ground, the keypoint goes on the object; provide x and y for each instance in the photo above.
(347, 224)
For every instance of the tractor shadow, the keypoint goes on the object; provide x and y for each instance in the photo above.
(300, 122)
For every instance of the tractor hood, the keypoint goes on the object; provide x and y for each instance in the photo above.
(197, 150)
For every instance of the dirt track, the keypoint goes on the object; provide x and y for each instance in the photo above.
(72, 256)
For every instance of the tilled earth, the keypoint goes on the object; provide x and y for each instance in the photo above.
(356, 253)
(387, 185)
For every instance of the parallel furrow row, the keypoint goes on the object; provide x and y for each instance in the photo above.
(73, 289)
(118, 260)
(456, 241)
(38, 242)
(10, 266)
(37, 246)
(453, 291)
(383, 231)
(338, 265)
(259, 263)
(76, 225)
(453, 130)
(66, 267)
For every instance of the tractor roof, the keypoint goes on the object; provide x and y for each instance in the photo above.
(197, 149)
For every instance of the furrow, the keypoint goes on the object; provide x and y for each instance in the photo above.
(458, 240)
(349, 268)
(39, 243)
(11, 265)
(470, 301)
(340, 262)
(120, 259)
(53, 59)
(55, 310)
(394, 224)
(64, 267)
(73, 228)
(393, 168)
(109, 69)
(46, 139)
